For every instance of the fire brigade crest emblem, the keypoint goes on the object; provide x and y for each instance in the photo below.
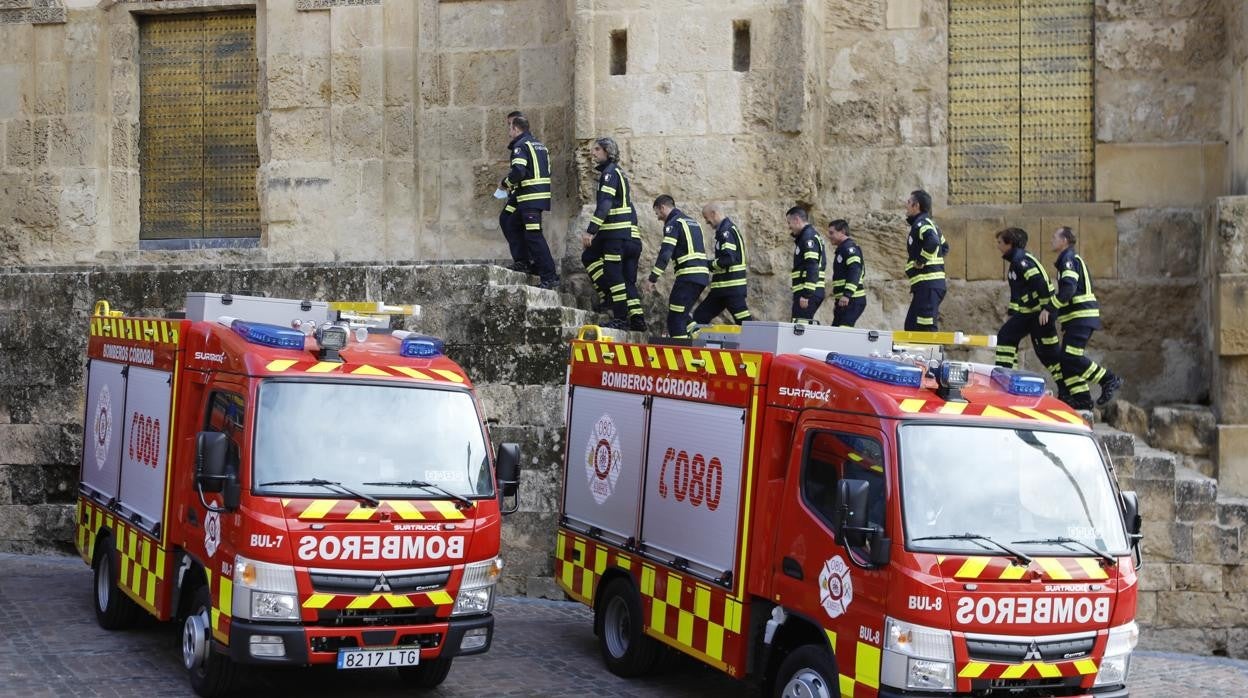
(103, 426)
(602, 458)
(836, 590)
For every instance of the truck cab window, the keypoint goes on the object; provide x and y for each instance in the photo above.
(831, 456)
(225, 415)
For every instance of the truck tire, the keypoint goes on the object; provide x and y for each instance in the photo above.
(426, 675)
(113, 609)
(808, 672)
(626, 649)
(211, 673)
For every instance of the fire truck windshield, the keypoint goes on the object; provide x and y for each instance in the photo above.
(352, 434)
(1037, 491)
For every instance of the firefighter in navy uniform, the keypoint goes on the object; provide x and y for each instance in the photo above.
(515, 245)
(925, 264)
(1080, 315)
(609, 228)
(529, 182)
(1031, 302)
(810, 266)
(729, 271)
(631, 261)
(849, 276)
(682, 242)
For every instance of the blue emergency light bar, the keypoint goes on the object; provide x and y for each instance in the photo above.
(268, 335)
(879, 370)
(420, 346)
(1017, 382)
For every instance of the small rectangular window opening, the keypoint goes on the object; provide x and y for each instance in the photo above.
(619, 52)
(741, 45)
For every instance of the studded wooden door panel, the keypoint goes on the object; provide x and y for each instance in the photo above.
(1056, 82)
(983, 101)
(197, 144)
(1020, 101)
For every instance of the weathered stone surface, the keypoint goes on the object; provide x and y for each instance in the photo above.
(1188, 429)
(1124, 416)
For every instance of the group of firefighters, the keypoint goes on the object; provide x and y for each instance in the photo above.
(612, 253)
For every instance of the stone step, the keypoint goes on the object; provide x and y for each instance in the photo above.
(1155, 464)
(1120, 444)
(1186, 429)
(1232, 511)
(1195, 496)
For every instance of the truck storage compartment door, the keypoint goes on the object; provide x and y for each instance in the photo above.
(694, 470)
(101, 454)
(144, 457)
(603, 476)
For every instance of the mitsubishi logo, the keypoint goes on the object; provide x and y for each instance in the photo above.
(1033, 652)
(383, 585)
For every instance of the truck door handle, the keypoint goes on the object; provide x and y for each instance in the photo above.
(792, 568)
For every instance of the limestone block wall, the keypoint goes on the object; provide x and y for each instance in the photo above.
(1237, 71)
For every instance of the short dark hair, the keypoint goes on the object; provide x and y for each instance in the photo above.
(799, 212)
(514, 114)
(840, 225)
(1014, 237)
(520, 122)
(923, 199)
(665, 200)
(1067, 234)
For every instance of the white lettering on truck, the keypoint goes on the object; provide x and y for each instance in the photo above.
(134, 355)
(674, 387)
(391, 547)
(1025, 610)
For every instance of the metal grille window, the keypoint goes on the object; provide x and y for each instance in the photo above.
(1020, 101)
(197, 143)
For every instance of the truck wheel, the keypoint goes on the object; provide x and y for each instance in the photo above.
(426, 675)
(113, 609)
(625, 648)
(211, 673)
(807, 673)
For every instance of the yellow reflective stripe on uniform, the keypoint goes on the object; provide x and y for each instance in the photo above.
(1030, 273)
(607, 190)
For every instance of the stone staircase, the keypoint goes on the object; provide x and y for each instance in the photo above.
(1193, 583)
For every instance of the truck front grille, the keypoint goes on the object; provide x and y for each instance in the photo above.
(352, 618)
(1016, 651)
(371, 582)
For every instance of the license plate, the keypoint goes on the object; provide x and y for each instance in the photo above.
(378, 659)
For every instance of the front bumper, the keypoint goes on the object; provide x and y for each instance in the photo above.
(312, 644)
(1107, 692)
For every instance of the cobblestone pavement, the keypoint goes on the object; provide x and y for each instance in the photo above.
(50, 645)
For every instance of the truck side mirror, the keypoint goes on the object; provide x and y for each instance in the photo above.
(210, 449)
(507, 472)
(851, 506)
(863, 540)
(1131, 517)
(211, 472)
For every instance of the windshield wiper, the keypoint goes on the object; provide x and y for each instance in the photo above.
(1061, 540)
(1021, 558)
(327, 484)
(464, 501)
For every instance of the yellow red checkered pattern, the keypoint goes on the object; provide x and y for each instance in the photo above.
(923, 406)
(865, 679)
(342, 510)
(680, 610)
(713, 362)
(426, 374)
(143, 329)
(1058, 569)
(142, 563)
(319, 601)
(1027, 670)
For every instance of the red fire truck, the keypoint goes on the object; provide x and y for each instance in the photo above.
(294, 482)
(833, 511)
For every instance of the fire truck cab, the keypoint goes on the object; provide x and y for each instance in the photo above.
(834, 511)
(294, 482)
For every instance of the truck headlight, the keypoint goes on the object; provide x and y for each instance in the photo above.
(264, 591)
(917, 657)
(476, 591)
(1117, 660)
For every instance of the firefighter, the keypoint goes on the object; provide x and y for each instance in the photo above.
(849, 276)
(515, 246)
(529, 183)
(729, 270)
(1031, 299)
(925, 264)
(810, 266)
(609, 228)
(1080, 315)
(632, 260)
(682, 242)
